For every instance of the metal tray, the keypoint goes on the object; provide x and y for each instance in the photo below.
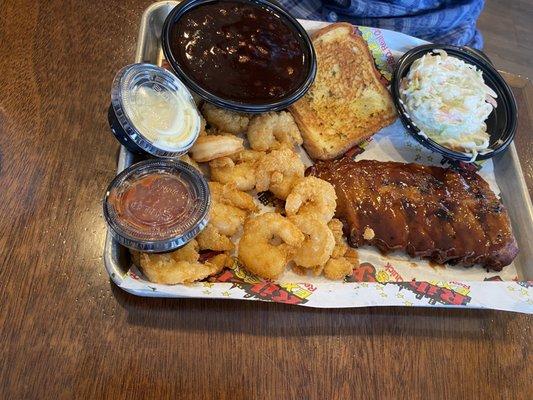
(507, 169)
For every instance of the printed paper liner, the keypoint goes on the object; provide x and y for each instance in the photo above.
(393, 280)
(367, 286)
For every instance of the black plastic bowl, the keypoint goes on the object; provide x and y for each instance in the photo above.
(181, 10)
(501, 124)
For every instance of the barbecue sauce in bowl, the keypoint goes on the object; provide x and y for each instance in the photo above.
(243, 52)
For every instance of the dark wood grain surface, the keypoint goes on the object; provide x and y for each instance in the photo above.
(67, 332)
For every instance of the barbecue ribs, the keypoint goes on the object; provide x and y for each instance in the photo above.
(429, 212)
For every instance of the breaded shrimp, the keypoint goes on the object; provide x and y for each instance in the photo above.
(318, 244)
(343, 258)
(256, 249)
(179, 266)
(229, 208)
(239, 168)
(230, 195)
(340, 241)
(278, 171)
(271, 130)
(211, 239)
(338, 268)
(209, 147)
(225, 120)
(312, 195)
(187, 159)
(225, 218)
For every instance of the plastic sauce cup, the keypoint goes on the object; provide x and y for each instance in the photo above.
(152, 112)
(157, 205)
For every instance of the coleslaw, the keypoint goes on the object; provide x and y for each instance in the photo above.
(449, 102)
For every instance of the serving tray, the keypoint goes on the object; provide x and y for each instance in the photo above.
(373, 284)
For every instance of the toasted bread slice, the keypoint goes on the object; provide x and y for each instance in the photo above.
(347, 103)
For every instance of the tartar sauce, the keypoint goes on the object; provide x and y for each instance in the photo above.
(153, 112)
(165, 118)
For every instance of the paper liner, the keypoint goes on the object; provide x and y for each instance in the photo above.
(392, 280)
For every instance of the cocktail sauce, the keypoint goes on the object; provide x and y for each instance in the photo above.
(239, 51)
(153, 203)
(157, 205)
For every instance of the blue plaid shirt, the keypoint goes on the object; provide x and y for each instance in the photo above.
(439, 21)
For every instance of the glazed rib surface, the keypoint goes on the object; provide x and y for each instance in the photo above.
(427, 211)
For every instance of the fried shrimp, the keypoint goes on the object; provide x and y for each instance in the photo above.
(187, 159)
(271, 130)
(312, 195)
(230, 195)
(352, 256)
(229, 208)
(211, 239)
(278, 171)
(343, 258)
(220, 261)
(257, 249)
(335, 225)
(179, 266)
(225, 218)
(337, 268)
(318, 244)
(239, 168)
(209, 147)
(225, 120)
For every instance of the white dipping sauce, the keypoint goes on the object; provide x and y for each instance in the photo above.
(167, 118)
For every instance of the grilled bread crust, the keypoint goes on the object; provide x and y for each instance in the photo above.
(347, 103)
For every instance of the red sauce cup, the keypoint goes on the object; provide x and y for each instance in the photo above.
(157, 205)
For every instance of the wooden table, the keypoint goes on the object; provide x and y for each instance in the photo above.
(67, 332)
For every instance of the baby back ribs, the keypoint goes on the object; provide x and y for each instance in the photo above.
(429, 212)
